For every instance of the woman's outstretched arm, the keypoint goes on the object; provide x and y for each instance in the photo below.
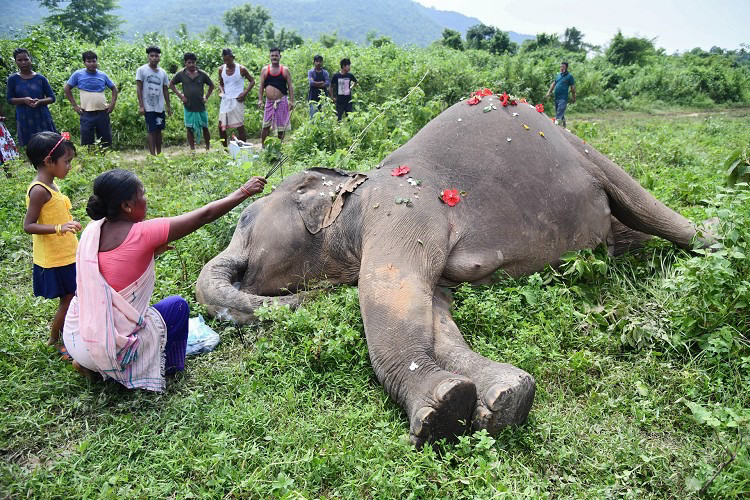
(184, 224)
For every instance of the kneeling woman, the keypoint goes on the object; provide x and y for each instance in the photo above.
(110, 328)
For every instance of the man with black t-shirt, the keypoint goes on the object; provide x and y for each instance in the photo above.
(342, 84)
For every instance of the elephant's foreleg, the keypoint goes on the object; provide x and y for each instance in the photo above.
(504, 393)
(396, 306)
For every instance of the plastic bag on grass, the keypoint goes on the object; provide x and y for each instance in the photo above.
(201, 337)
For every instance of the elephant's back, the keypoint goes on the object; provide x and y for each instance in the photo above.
(467, 142)
(523, 182)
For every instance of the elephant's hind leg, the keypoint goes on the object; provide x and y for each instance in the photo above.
(504, 393)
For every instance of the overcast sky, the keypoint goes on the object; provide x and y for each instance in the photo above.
(677, 24)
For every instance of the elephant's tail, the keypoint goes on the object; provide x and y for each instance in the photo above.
(217, 289)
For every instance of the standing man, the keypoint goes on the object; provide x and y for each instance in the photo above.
(94, 110)
(193, 100)
(276, 81)
(342, 84)
(562, 82)
(319, 81)
(233, 93)
(153, 95)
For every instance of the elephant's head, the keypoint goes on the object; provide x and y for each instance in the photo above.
(305, 230)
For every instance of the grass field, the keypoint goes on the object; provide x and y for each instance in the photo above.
(642, 362)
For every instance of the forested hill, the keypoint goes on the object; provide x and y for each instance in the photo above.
(405, 21)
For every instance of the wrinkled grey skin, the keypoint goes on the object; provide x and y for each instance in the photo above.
(527, 202)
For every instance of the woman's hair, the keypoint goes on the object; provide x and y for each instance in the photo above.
(20, 50)
(42, 145)
(227, 52)
(111, 189)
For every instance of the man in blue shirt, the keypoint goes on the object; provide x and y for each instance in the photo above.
(562, 83)
(94, 109)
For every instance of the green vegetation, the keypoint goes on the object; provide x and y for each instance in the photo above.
(91, 19)
(386, 73)
(642, 362)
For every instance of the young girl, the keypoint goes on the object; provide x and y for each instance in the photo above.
(49, 221)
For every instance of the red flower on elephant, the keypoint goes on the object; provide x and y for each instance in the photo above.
(481, 92)
(450, 197)
(540, 107)
(474, 100)
(399, 171)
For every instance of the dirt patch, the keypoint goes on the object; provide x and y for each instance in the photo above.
(139, 155)
(627, 115)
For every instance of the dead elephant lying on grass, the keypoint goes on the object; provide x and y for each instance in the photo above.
(473, 193)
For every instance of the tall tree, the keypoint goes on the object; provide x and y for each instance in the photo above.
(247, 23)
(626, 51)
(283, 39)
(573, 39)
(541, 40)
(452, 39)
(478, 36)
(92, 19)
(489, 38)
(500, 43)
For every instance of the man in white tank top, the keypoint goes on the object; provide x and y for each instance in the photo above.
(232, 92)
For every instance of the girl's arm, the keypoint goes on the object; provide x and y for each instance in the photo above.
(38, 196)
(184, 224)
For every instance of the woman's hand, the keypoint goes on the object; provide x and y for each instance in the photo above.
(254, 186)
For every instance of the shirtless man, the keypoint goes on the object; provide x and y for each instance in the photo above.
(276, 81)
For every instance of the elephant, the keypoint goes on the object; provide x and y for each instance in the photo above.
(527, 190)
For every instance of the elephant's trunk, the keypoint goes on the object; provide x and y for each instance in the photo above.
(216, 290)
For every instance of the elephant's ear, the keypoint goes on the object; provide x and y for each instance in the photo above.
(316, 205)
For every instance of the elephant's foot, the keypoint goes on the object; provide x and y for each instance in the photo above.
(447, 413)
(505, 402)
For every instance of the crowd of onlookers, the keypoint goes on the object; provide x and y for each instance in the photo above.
(31, 94)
